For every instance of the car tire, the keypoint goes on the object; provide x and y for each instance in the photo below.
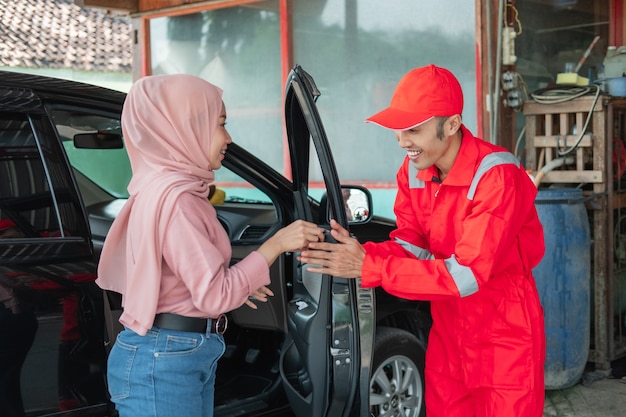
(397, 383)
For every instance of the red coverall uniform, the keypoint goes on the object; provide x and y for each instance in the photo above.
(469, 245)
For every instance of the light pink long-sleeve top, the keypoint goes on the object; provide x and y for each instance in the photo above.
(166, 250)
(196, 279)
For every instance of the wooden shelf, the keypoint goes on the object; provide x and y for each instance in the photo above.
(552, 133)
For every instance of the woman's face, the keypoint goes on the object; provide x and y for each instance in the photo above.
(220, 142)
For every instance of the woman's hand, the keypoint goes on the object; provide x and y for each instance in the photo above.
(291, 238)
(297, 235)
(261, 295)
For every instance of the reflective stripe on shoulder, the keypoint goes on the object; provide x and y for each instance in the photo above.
(414, 182)
(462, 275)
(488, 162)
(420, 253)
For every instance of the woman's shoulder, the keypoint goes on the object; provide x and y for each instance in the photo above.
(191, 205)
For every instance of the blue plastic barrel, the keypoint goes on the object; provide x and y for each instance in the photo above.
(563, 283)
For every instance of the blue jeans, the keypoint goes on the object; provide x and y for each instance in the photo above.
(164, 373)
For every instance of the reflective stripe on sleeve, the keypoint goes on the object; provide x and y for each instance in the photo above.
(488, 162)
(420, 253)
(463, 277)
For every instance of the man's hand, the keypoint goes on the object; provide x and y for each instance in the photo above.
(342, 259)
(292, 238)
(259, 295)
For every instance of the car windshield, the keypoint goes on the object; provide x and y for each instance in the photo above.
(109, 169)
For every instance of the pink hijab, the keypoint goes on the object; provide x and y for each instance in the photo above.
(168, 122)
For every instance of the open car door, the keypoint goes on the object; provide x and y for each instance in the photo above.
(325, 364)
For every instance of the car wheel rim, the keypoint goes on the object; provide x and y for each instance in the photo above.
(396, 388)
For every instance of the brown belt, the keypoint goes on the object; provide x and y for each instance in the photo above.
(191, 324)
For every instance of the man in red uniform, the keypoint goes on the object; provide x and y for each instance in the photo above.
(467, 239)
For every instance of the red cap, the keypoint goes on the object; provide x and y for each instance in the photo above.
(423, 93)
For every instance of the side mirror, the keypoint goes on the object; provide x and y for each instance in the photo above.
(98, 140)
(358, 203)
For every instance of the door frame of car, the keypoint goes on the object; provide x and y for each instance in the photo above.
(344, 312)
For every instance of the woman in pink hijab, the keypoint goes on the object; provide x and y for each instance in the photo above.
(169, 257)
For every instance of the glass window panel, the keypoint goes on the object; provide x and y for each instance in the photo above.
(66, 200)
(26, 204)
(236, 189)
(357, 51)
(108, 169)
(553, 33)
(237, 49)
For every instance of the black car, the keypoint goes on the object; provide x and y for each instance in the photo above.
(322, 346)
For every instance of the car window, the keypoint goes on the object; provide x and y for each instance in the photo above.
(108, 169)
(237, 189)
(316, 186)
(26, 205)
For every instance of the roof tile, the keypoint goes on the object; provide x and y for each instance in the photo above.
(60, 34)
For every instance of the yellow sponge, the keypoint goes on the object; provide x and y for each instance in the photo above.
(571, 78)
(216, 195)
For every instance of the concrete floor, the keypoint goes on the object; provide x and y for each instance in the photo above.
(601, 395)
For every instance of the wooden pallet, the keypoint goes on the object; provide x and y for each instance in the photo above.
(552, 129)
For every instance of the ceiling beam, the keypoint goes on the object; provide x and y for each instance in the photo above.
(129, 6)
